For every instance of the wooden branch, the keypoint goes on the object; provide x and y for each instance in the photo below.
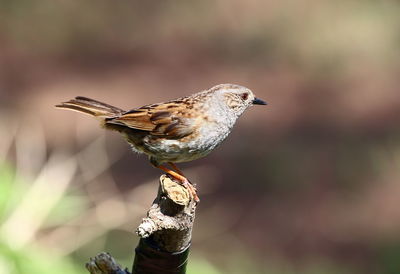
(165, 235)
(170, 219)
(104, 263)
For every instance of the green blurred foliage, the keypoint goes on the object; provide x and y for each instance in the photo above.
(25, 259)
(36, 261)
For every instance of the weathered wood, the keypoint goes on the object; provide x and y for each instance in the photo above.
(169, 221)
(104, 263)
(165, 235)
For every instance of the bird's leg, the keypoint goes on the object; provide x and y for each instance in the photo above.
(176, 168)
(185, 182)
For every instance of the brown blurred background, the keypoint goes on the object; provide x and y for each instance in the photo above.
(307, 184)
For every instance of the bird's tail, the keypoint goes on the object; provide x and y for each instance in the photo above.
(91, 107)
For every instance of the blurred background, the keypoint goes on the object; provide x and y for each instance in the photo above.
(308, 184)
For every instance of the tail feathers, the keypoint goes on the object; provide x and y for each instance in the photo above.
(91, 107)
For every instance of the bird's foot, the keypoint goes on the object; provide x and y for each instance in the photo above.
(192, 189)
(184, 181)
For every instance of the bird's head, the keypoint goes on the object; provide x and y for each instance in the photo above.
(236, 98)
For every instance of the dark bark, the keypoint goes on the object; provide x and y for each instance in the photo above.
(104, 263)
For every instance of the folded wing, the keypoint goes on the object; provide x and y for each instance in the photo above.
(169, 120)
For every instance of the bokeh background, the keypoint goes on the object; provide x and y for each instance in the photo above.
(309, 184)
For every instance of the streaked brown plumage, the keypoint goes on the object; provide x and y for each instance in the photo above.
(176, 131)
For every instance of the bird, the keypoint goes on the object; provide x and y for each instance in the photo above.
(175, 131)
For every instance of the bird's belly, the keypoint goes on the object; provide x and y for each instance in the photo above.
(167, 150)
(185, 149)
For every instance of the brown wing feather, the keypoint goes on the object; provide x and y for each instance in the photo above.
(167, 120)
(138, 120)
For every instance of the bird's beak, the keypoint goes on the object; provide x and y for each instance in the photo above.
(257, 101)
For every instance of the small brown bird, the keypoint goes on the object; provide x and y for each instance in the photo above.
(176, 131)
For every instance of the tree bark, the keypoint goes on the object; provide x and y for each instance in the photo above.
(165, 235)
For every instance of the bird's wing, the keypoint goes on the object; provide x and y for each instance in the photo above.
(170, 120)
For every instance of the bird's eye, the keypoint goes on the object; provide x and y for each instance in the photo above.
(244, 96)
